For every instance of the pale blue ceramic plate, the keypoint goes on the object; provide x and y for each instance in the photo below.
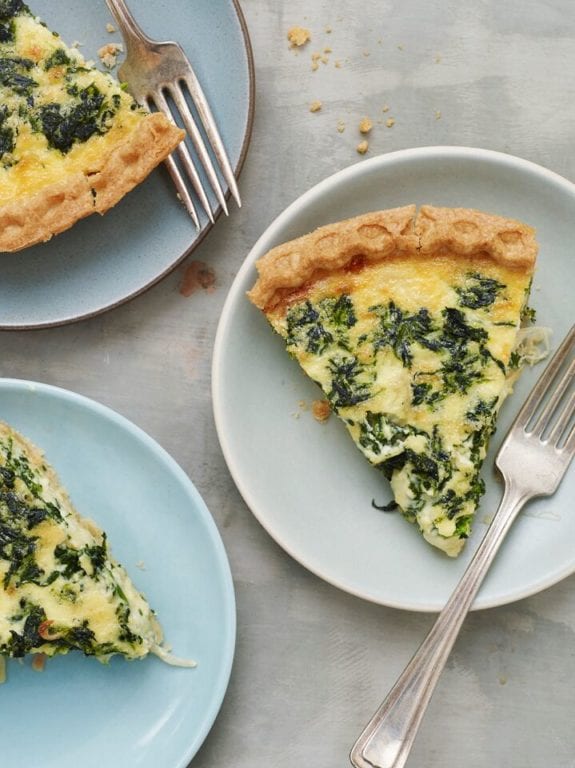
(145, 713)
(307, 483)
(103, 261)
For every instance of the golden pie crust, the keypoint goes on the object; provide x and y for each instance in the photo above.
(56, 207)
(371, 237)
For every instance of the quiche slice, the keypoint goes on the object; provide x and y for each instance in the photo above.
(410, 323)
(72, 141)
(60, 588)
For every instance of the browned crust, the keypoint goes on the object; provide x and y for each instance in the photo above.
(372, 235)
(27, 221)
(468, 232)
(379, 235)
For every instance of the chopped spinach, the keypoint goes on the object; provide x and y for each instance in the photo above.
(86, 116)
(478, 291)
(9, 8)
(399, 330)
(348, 384)
(58, 58)
(12, 75)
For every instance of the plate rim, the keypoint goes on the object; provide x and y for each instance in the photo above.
(267, 240)
(76, 318)
(229, 630)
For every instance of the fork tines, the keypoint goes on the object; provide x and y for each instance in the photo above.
(549, 409)
(159, 75)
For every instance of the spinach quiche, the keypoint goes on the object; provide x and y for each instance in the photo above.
(60, 588)
(72, 141)
(410, 322)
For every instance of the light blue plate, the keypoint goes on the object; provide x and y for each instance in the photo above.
(104, 261)
(78, 712)
(306, 482)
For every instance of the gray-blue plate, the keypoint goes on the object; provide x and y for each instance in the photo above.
(306, 482)
(104, 261)
(78, 712)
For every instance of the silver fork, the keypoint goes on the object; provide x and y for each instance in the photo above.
(533, 459)
(155, 71)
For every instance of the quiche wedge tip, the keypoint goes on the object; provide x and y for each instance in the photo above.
(410, 322)
(60, 587)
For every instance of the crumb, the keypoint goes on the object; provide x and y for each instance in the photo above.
(76, 44)
(141, 565)
(298, 36)
(437, 114)
(340, 126)
(390, 122)
(39, 662)
(315, 57)
(337, 64)
(366, 54)
(320, 410)
(315, 106)
(362, 147)
(108, 54)
(324, 59)
(110, 28)
(438, 58)
(365, 125)
(502, 680)
(328, 30)
(197, 275)
(400, 47)
(303, 405)
(327, 49)
(385, 108)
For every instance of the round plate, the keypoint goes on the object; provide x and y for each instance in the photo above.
(306, 482)
(144, 713)
(104, 261)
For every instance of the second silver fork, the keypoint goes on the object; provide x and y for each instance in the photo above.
(158, 74)
(533, 459)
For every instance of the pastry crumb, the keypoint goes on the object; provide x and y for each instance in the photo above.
(437, 114)
(110, 28)
(298, 36)
(390, 122)
(315, 106)
(108, 54)
(328, 30)
(365, 125)
(315, 58)
(362, 147)
(337, 64)
(340, 126)
(438, 58)
(320, 410)
(385, 108)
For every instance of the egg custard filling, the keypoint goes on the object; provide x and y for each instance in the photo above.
(60, 588)
(72, 141)
(410, 323)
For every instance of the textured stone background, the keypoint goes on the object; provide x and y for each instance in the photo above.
(313, 662)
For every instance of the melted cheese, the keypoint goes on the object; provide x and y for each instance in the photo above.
(34, 164)
(60, 587)
(414, 356)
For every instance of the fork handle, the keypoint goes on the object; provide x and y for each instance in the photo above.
(388, 737)
(131, 31)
